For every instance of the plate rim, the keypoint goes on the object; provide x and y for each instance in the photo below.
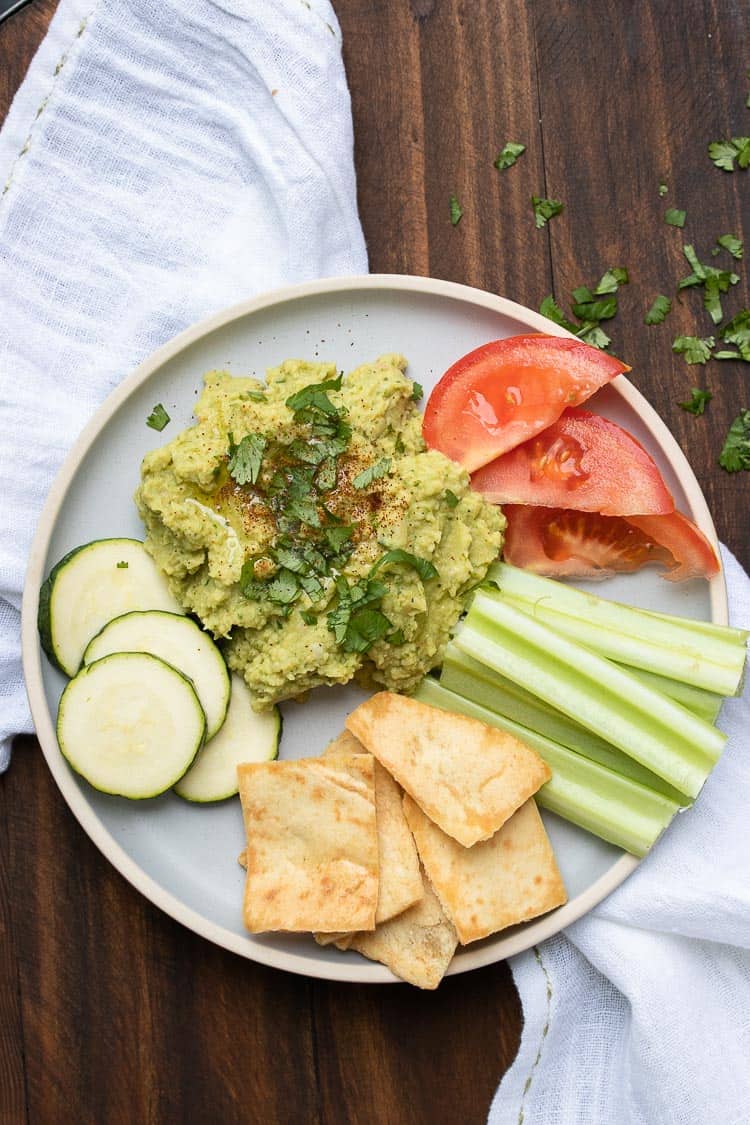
(521, 939)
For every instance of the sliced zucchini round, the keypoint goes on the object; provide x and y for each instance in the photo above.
(179, 641)
(247, 736)
(91, 585)
(130, 724)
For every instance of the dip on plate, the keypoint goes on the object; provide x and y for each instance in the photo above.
(305, 522)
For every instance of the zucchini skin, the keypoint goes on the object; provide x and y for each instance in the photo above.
(43, 617)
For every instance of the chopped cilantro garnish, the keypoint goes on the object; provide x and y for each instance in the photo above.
(245, 459)
(735, 454)
(544, 210)
(338, 537)
(122, 565)
(450, 498)
(698, 401)
(158, 418)
(663, 189)
(423, 567)
(550, 308)
(456, 210)
(695, 350)
(397, 637)
(732, 244)
(417, 390)
(255, 396)
(724, 153)
(380, 469)
(307, 617)
(314, 398)
(510, 153)
(611, 280)
(658, 310)
(674, 217)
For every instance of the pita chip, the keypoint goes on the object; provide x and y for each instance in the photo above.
(312, 846)
(496, 883)
(400, 878)
(417, 945)
(468, 778)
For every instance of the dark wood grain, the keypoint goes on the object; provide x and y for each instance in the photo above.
(109, 1010)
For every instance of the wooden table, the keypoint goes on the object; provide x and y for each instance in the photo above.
(109, 1010)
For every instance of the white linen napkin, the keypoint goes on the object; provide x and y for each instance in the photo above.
(159, 162)
(640, 1013)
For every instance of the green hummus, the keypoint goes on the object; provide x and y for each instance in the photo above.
(304, 521)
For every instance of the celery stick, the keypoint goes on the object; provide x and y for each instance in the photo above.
(707, 704)
(697, 652)
(605, 803)
(466, 677)
(659, 733)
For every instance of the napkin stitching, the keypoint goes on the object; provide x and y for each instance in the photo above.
(545, 1029)
(55, 74)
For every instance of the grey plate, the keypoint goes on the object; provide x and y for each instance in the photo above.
(183, 857)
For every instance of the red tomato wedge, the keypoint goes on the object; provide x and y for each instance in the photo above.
(581, 461)
(504, 392)
(559, 542)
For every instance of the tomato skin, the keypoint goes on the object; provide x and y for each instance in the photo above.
(582, 461)
(504, 392)
(560, 542)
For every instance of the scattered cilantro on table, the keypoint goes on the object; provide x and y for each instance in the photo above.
(509, 155)
(698, 401)
(158, 418)
(456, 210)
(674, 217)
(694, 349)
(658, 311)
(544, 210)
(735, 454)
(663, 189)
(589, 307)
(713, 281)
(731, 243)
(724, 153)
(737, 332)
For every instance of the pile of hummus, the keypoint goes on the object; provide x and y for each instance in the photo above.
(304, 522)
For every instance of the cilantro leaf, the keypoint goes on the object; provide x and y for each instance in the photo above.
(694, 349)
(283, 588)
(674, 217)
(423, 567)
(658, 311)
(122, 565)
(245, 459)
(724, 153)
(735, 454)
(611, 280)
(553, 312)
(417, 390)
(255, 396)
(663, 189)
(364, 628)
(509, 155)
(698, 401)
(307, 617)
(450, 498)
(594, 335)
(158, 418)
(595, 310)
(456, 210)
(544, 210)
(699, 270)
(338, 537)
(732, 244)
(737, 332)
(314, 398)
(380, 469)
